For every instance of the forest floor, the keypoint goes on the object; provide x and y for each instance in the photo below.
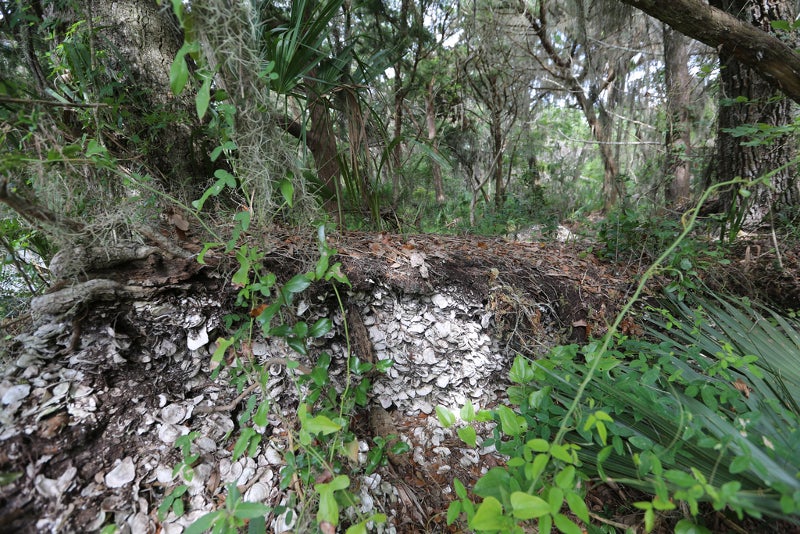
(93, 402)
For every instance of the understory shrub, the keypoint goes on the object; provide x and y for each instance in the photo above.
(704, 410)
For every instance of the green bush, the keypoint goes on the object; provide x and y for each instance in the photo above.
(706, 411)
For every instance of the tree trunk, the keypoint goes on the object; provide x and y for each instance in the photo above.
(601, 131)
(430, 119)
(678, 134)
(498, 149)
(748, 99)
(397, 151)
(148, 38)
(321, 141)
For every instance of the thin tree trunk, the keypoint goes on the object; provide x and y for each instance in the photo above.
(397, 151)
(497, 166)
(321, 141)
(602, 134)
(430, 118)
(678, 134)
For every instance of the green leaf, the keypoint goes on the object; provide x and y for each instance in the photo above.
(287, 190)
(739, 464)
(467, 435)
(546, 523)
(203, 98)
(297, 284)
(297, 344)
(206, 248)
(538, 445)
(93, 148)
(686, 526)
(335, 273)
(164, 507)
(322, 266)
(602, 432)
(561, 452)
(251, 510)
(203, 523)
(566, 477)
(243, 219)
(260, 418)
(578, 506)
(340, 482)
(510, 422)
(534, 469)
(781, 25)
(445, 416)
(566, 525)
(177, 507)
(641, 442)
(320, 328)
(224, 178)
(8, 478)
(222, 347)
(495, 483)
(321, 425)
(226, 146)
(328, 509)
(555, 498)
(179, 71)
(453, 511)
(358, 528)
(243, 442)
(488, 516)
(459, 488)
(242, 275)
(525, 506)
(521, 371)
(177, 8)
(468, 411)
(257, 525)
(300, 329)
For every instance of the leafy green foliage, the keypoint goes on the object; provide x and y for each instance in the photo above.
(235, 515)
(706, 413)
(325, 444)
(627, 235)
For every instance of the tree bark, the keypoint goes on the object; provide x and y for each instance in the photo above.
(678, 134)
(769, 56)
(148, 38)
(748, 99)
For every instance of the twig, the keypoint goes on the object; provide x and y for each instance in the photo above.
(231, 405)
(52, 103)
(608, 521)
(777, 249)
